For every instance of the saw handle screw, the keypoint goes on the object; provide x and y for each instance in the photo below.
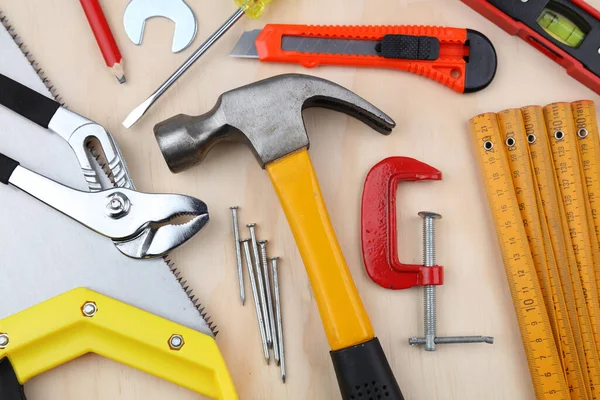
(89, 309)
(176, 342)
(4, 340)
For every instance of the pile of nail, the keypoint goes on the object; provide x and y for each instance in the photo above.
(265, 290)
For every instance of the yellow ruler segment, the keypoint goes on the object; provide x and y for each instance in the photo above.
(584, 113)
(536, 331)
(552, 207)
(565, 154)
(512, 131)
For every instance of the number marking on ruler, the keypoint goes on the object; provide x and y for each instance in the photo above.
(536, 331)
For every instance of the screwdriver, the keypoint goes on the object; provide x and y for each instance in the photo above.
(252, 8)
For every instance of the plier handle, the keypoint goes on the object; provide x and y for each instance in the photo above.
(137, 223)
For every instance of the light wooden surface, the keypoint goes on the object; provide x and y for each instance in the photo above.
(432, 127)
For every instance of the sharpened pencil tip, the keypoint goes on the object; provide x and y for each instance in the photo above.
(122, 79)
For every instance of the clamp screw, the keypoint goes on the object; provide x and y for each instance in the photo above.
(4, 340)
(89, 309)
(118, 205)
(429, 304)
(176, 342)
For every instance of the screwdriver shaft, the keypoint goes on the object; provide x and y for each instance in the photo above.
(259, 317)
(140, 110)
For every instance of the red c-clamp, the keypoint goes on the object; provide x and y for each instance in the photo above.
(378, 220)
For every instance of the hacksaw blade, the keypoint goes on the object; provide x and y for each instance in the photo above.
(45, 253)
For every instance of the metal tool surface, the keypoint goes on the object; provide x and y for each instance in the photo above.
(138, 223)
(252, 8)
(461, 59)
(267, 115)
(138, 11)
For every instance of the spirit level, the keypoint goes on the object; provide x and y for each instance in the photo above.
(566, 31)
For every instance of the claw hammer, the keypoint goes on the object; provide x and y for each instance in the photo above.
(267, 115)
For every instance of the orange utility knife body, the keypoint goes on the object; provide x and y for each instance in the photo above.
(462, 59)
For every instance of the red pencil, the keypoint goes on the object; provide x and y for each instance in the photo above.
(104, 37)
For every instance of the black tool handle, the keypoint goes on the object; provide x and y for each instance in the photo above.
(10, 387)
(7, 166)
(363, 372)
(27, 102)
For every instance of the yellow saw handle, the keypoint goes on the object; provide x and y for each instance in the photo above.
(81, 321)
(342, 312)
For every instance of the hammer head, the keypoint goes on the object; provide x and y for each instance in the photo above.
(267, 115)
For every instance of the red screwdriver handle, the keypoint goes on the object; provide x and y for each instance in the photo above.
(448, 69)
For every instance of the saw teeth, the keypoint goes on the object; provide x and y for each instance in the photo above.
(19, 42)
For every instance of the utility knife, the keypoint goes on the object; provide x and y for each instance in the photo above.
(461, 59)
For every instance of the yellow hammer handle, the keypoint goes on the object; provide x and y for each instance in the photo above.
(342, 312)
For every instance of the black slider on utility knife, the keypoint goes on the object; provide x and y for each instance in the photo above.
(409, 47)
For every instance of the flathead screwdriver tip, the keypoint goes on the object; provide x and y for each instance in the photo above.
(137, 112)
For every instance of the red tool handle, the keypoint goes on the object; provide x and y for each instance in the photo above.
(449, 69)
(378, 220)
(102, 33)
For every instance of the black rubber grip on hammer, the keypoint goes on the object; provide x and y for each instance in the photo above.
(7, 166)
(10, 387)
(408, 47)
(27, 102)
(363, 372)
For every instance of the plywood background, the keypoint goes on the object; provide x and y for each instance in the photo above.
(432, 127)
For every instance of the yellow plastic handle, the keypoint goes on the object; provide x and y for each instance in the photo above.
(57, 331)
(342, 312)
(253, 8)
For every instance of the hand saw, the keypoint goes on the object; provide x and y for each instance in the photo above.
(61, 272)
(461, 59)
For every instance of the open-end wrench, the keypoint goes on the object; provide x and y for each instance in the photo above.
(138, 11)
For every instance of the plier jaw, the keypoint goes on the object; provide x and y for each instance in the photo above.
(140, 224)
(159, 234)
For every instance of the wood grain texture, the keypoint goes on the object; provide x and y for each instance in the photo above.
(432, 127)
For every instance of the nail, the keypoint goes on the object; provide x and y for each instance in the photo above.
(261, 324)
(279, 317)
(263, 252)
(238, 252)
(259, 279)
